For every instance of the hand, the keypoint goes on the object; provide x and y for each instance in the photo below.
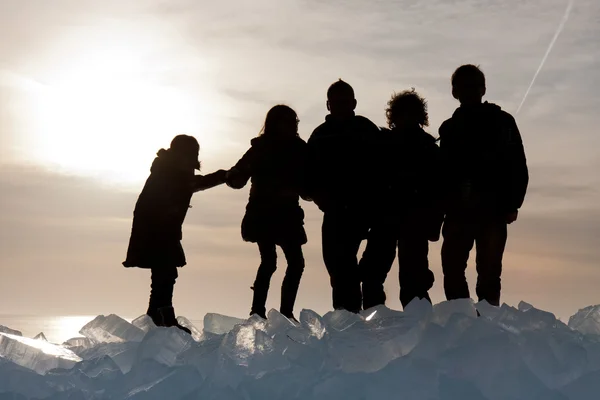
(231, 173)
(511, 217)
(221, 175)
(234, 180)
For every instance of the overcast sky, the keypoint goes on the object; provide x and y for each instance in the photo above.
(89, 91)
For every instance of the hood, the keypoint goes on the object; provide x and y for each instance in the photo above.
(167, 160)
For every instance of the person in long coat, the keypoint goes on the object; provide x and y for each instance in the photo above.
(160, 211)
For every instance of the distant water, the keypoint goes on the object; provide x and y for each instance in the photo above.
(57, 329)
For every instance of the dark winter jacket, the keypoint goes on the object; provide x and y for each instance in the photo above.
(484, 164)
(159, 214)
(160, 211)
(277, 167)
(409, 161)
(339, 166)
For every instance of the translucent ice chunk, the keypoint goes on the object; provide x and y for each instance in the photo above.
(277, 323)
(123, 354)
(533, 319)
(144, 322)
(37, 355)
(487, 310)
(5, 329)
(380, 311)
(17, 382)
(196, 333)
(586, 320)
(88, 375)
(313, 323)
(178, 383)
(111, 329)
(443, 311)
(164, 345)
(340, 320)
(219, 324)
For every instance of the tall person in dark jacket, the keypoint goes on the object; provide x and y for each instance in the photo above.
(158, 217)
(339, 182)
(408, 198)
(276, 165)
(486, 178)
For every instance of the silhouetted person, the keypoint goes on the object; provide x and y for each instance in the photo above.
(485, 172)
(276, 164)
(409, 213)
(339, 182)
(158, 217)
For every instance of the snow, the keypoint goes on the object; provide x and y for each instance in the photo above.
(440, 352)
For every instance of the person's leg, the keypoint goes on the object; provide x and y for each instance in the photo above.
(291, 281)
(161, 291)
(490, 244)
(459, 237)
(268, 265)
(376, 262)
(331, 247)
(161, 298)
(342, 234)
(415, 276)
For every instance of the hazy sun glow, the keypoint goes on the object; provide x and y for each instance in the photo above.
(104, 116)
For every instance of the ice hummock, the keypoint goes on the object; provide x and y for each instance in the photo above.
(440, 352)
(587, 320)
(111, 329)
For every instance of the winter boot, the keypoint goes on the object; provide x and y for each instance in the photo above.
(167, 315)
(259, 300)
(155, 316)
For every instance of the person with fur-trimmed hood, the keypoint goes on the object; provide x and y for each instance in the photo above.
(276, 164)
(409, 208)
(160, 210)
(486, 178)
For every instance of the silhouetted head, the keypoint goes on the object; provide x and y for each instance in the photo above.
(281, 120)
(468, 84)
(407, 109)
(186, 149)
(340, 99)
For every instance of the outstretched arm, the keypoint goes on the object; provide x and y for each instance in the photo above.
(204, 182)
(238, 176)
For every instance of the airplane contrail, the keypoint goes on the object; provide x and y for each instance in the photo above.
(564, 20)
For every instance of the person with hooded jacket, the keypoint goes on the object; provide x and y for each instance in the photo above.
(409, 213)
(276, 165)
(160, 210)
(486, 178)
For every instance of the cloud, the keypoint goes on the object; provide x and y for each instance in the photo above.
(237, 64)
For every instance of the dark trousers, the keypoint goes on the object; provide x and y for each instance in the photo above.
(342, 234)
(414, 274)
(488, 232)
(291, 281)
(161, 288)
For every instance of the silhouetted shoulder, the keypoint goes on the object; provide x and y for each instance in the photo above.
(366, 123)
(319, 132)
(298, 141)
(427, 137)
(446, 127)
